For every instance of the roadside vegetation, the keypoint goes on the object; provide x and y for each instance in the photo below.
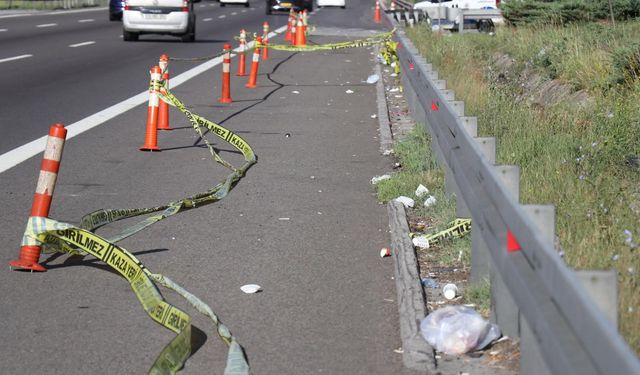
(50, 4)
(562, 98)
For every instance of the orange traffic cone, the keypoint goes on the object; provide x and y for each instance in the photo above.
(288, 36)
(253, 76)
(376, 14)
(301, 38)
(163, 107)
(294, 31)
(151, 138)
(29, 253)
(226, 75)
(241, 57)
(265, 40)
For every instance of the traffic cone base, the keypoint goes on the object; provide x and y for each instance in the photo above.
(29, 256)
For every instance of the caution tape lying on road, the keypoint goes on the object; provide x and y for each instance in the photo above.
(44, 231)
(456, 229)
(102, 217)
(55, 236)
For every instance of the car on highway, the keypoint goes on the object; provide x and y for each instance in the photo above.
(115, 10)
(171, 17)
(286, 5)
(241, 2)
(331, 3)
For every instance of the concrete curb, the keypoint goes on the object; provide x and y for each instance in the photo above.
(417, 353)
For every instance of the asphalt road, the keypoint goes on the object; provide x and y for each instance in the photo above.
(303, 223)
(75, 63)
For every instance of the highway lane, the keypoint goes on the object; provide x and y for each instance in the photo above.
(302, 223)
(62, 67)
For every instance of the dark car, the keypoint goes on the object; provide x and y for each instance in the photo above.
(287, 5)
(115, 10)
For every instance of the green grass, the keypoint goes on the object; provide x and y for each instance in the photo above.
(50, 4)
(480, 295)
(576, 158)
(419, 166)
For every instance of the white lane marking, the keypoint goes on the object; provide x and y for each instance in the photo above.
(15, 58)
(243, 11)
(234, 13)
(47, 25)
(3, 30)
(24, 152)
(202, 6)
(86, 20)
(87, 43)
(222, 16)
(207, 19)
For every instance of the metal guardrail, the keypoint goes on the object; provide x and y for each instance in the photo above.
(404, 12)
(571, 333)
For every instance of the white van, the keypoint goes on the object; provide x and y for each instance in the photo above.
(173, 17)
(464, 4)
(445, 14)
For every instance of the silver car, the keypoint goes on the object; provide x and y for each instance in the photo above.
(173, 17)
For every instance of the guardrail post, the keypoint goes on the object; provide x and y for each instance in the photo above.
(504, 310)
(448, 95)
(462, 210)
(602, 286)
(480, 256)
(531, 361)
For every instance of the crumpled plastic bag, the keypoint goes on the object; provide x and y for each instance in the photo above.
(457, 329)
(406, 201)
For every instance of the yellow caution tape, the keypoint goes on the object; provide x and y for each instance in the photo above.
(55, 236)
(390, 55)
(102, 217)
(372, 40)
(143, 282)
(456, 229)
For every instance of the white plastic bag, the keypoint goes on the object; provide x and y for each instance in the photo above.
(457, 329)
(406, 201)
(421, 191)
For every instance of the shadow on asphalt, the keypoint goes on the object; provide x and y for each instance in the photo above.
(198, 338)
